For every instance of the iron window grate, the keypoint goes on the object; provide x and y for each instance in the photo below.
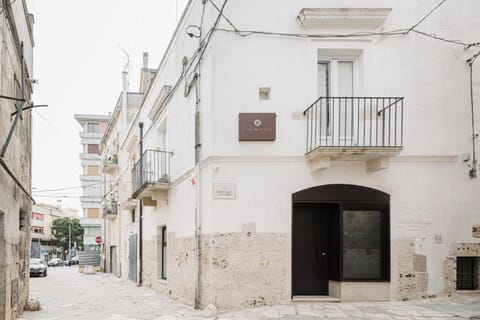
(465, 273)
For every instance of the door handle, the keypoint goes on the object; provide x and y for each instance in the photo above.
(318, 256)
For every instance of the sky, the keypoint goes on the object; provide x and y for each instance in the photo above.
(79, 56)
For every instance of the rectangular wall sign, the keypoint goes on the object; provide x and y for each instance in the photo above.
(224, 191)
(257, 126)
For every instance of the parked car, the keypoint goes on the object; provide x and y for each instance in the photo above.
(55, 262)
(74, 260)
(66, 263)
(38, 268)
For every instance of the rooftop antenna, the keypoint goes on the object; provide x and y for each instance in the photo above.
(126, 66)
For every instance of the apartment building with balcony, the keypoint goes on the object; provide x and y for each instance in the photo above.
(41, 245)
(93, 127)
(321, 151)
(121, 230)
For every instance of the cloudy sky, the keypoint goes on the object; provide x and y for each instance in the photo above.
(78, 59)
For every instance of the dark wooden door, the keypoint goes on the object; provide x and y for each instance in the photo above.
(310, 257)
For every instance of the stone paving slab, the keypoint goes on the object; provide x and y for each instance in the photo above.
(68, 295)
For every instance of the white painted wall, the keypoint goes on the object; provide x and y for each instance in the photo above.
(431, 192)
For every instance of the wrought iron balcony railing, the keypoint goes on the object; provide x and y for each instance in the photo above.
(355, 122)
(152, 169)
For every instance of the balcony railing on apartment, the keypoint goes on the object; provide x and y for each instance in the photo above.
(355, 122)
(152, 170)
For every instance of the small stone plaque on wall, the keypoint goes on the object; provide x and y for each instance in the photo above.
(224, 191)
(257, 126)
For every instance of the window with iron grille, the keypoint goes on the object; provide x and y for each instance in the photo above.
(467, 273)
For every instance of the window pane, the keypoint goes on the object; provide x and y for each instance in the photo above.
(92, 127)
(362, 244)
(324, 113)
(93, 170)
(345, 78)
(323, 79)
(92, 148)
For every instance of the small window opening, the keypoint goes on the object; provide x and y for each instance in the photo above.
(164, 252)
(132, 212)
(22, 220)
(264, 93)
(467, 273)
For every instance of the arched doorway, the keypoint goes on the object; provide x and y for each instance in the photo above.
(339, 233)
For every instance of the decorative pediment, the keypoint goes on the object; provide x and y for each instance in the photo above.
(159, 102)
(354, 18)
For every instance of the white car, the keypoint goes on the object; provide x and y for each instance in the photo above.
(38, 267)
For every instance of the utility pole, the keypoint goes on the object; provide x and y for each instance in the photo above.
(69, 240)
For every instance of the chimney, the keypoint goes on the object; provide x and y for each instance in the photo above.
(145, 60)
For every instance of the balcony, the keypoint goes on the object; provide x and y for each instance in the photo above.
(90, 178)
(110, 163)
(110, 209)
(354, 128)
(151, 175)
(91, 135)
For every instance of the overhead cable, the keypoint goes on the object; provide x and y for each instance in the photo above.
(425, 17)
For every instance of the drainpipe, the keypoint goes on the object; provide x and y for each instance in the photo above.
(140, 222)
(198, 182)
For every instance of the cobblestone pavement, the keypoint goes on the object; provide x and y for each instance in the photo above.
(66, 294)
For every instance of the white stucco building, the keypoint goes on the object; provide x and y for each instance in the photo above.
(322, 149)
(93, 127)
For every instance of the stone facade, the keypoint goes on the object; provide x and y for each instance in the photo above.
(243, 269)
(15, 169)
(409, 270)
(450, 263)
(237, 269)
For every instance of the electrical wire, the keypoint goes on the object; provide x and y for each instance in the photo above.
(197, 56)
(11, 2)
(473, 170)
(68, 188)
(425, 17)
(44, 119)
(457, 42)
(246, 33)
(225, 17)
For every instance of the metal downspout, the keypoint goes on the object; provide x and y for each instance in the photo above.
(140, 222)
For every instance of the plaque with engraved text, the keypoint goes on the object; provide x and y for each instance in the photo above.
(257, 126)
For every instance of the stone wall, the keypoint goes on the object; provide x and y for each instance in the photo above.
(181, 268)
(409, 271)
(244, 269)
(450, 263)
(237, 270)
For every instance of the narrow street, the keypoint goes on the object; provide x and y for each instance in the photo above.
(66, 294)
